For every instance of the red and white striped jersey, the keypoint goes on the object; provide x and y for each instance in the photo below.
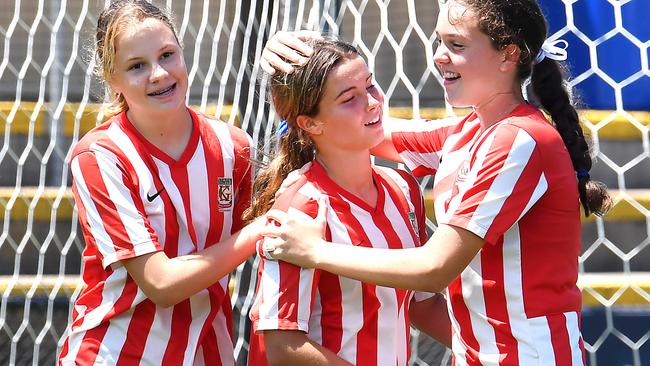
(133, 199)
(362, 323)
(514, 185)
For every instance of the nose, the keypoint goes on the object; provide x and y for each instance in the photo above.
(441, 56)
(375, 99)
(157, 72)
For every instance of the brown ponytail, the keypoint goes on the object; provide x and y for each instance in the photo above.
(547, 82)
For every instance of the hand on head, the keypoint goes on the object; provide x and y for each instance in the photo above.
(286, 49)
(296, 239)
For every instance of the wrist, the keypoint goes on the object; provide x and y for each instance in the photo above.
(321, 253)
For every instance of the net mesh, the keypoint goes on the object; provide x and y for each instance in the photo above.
(49, 97)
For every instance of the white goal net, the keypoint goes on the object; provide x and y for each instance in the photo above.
(49, 98)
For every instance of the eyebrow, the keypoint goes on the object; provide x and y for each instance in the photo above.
(350, 88)
(136, 58)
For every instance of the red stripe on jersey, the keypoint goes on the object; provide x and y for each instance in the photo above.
(495, 303)
(560, 339)
(212, 150)
(209, 344)
(243, 176)
(580, 341)
(392, 238)
(288, 299)
(210, 354)
(105, 206)
(182, 181)
(461, 314)
(415, 196)
(91, 344)
(422, 171)
(329, 287)
(515, 204)
(139, 328)
(179, 334)
(367, 336)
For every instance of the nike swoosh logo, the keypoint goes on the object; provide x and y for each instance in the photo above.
(150, 198)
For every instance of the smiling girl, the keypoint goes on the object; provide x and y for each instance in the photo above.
(160, 190)
(507, 192)
(301, 316)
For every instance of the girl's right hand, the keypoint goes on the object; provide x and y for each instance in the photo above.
(287, 49)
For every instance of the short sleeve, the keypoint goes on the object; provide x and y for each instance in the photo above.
(110, 211)
(505, 179)
(285, 294)
(419, 143)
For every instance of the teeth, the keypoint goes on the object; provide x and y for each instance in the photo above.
(163, 91)
(450, 75)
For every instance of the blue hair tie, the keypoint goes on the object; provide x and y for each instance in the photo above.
(582, 173)
(283, 127)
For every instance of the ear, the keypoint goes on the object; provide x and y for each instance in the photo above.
(511, 56)
(309, 125)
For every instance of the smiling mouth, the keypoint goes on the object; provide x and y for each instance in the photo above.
(373, 122)
(165, 91)
(450, 76)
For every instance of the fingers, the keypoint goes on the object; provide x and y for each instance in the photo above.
(307, 35)
(272, 231)
(270, 61)
(286, 49)
(267, 67)
(277, 215)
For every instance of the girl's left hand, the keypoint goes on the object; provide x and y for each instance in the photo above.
(297, 239)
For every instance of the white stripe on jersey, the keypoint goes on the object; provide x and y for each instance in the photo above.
(121, 196)
(269, 283)
(574, 337)
(315, 326)
(351, 316)
(122, 140)
(227, 151)
(96, 227)
(199, 194)
(505, 181)
(428, 160)
(159, 335)
(95, 316)
(538, 192)
(200, 309)
(220, 326)
(185, 243)
(541, 334)
(514, 293)
(306, 280)
(473, 296)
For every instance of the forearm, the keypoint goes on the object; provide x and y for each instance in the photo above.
(285, 348)
(167, 281)
(430, 267)
(403, 268)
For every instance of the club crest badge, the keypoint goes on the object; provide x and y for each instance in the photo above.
(225, 194)
(414, 224)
